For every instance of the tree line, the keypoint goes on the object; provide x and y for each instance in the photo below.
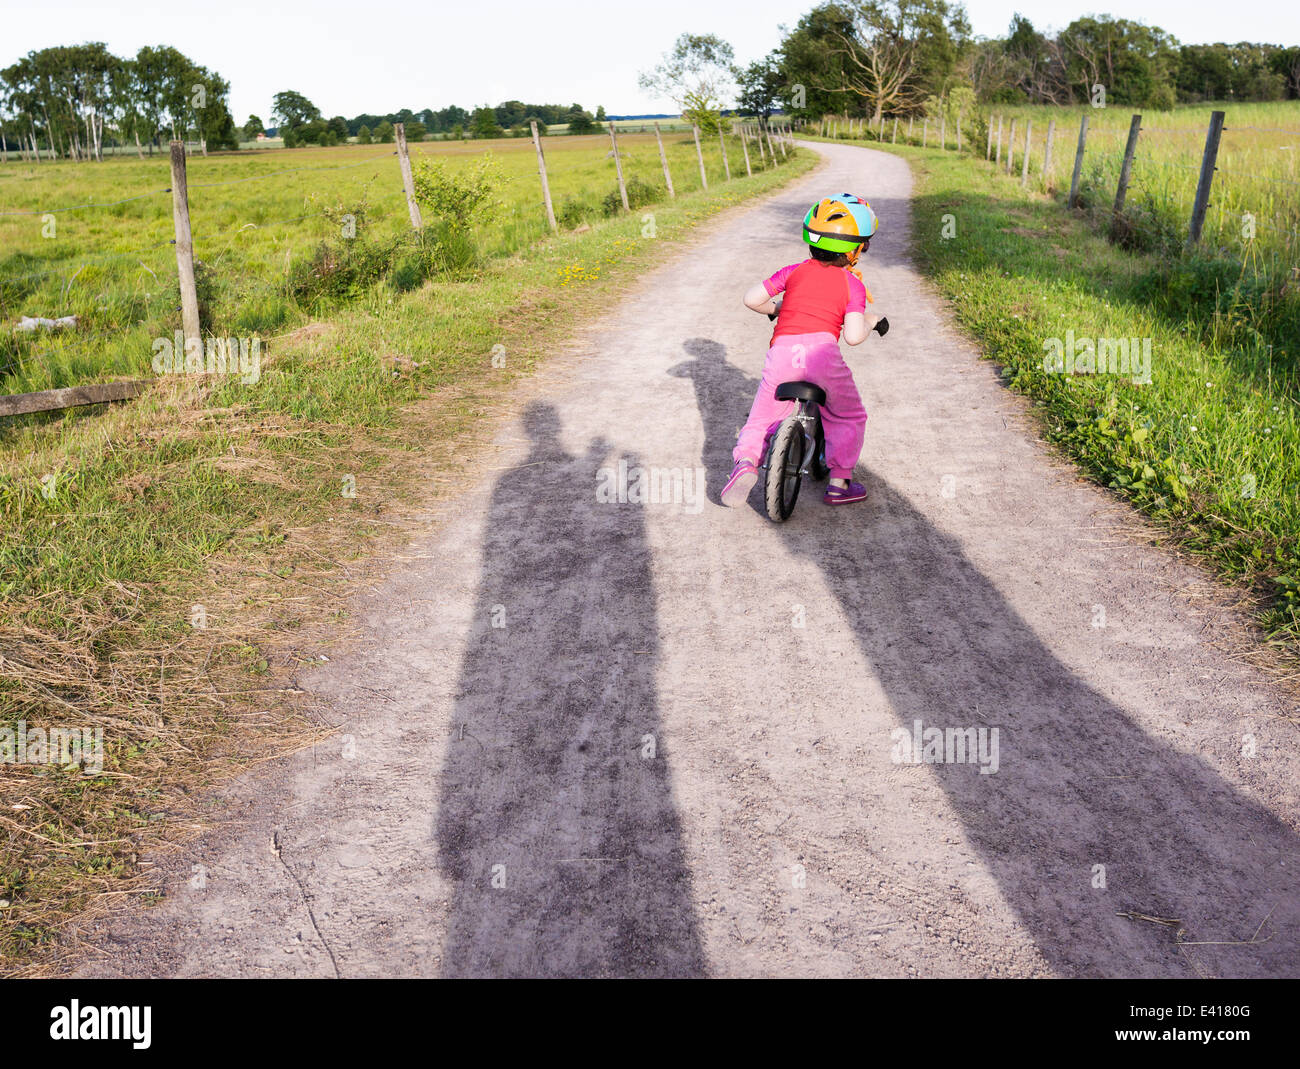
(869, 58)
(299, 121)
(66, 100)
(75, 101)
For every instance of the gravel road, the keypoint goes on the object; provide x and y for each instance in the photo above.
(593, 737)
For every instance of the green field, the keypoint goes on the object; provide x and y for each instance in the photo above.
(259, 220)
(1258, 168)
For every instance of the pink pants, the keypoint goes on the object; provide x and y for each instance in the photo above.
(812, 358)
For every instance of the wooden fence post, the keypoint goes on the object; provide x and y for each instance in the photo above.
(722, 143)
(618, 167)
(1024, 164)
(1208, 159)
(767, 128)
(404, 158)
(895, 138)
(988, 148)
(997, 156)
(1125, 169)
(1047, 153)
(704, 179)
(1011, 143)
(744, 147)
(663, 158)
(184, 246)
(1078, 162)
(546, 186)
(762, 156)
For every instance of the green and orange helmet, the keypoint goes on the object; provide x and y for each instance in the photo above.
(840, 223)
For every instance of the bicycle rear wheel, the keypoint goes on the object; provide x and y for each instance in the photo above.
(784, 461)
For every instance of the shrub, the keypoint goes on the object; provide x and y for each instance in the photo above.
(457, 197)
(639, 192)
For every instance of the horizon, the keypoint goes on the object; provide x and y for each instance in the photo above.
(593, 67)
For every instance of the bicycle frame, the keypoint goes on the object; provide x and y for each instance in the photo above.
(809, 417)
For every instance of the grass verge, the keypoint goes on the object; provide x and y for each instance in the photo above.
(1209, 448)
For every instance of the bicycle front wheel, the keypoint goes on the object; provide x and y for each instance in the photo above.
(784, 461)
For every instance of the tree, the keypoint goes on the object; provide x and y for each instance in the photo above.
(363, 135)
(483, 123)
(1132, 61)
(581, 122)
(600, 113)
(898, 51)
(384, 132)
(810, 58)
(415, 130)
(758, 85)
(696, 75)
(1035, 64)
(253, 127)
(292, 110)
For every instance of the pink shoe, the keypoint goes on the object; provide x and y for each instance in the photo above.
(844, 495)
(743, 478)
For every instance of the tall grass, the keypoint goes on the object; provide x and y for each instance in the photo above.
(1239, 287)
(256, 233)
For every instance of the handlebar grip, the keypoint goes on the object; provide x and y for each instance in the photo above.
(882, 327)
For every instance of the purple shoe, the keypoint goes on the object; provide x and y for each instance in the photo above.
(743, 478)
(844, 495)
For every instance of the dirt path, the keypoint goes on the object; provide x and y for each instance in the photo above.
(678, 779)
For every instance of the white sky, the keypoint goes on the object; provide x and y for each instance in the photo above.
(383, 55)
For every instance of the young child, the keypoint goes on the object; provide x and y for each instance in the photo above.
(822, 295)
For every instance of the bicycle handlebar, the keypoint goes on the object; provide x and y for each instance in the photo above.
(881, 327)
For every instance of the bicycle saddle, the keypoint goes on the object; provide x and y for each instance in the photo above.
(801, 391)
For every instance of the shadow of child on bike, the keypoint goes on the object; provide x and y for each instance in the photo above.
(717, 385)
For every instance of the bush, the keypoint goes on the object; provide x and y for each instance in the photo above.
(409, 270)
(340, 269)
(574, 211)
(457, 197)
(639, 192)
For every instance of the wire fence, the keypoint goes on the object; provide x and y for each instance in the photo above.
(218, 248)
(1126, 172)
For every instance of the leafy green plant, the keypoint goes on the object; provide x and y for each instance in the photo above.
(457, 199)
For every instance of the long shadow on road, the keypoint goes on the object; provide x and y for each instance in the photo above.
(556, 822)
(1080, 784)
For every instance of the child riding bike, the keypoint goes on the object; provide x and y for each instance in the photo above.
(822, 295)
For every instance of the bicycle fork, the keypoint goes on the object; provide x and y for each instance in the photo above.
(809, 420)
